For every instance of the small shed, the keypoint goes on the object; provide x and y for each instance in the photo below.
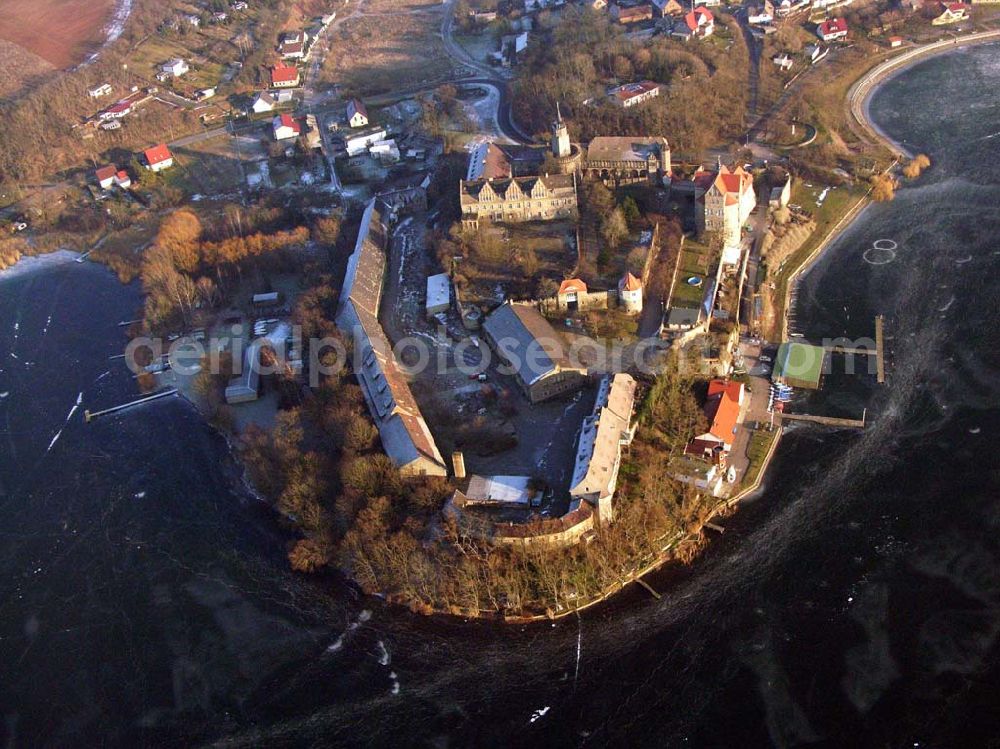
(438, 294)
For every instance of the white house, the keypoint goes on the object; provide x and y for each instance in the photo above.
(158, 158)
(285, 127)
(630, 293)
(814, 53)
(699, 23)
(783, 61)
(262, 102)
(357, 113)
(103, 90)
(176, 67)
(106, 176)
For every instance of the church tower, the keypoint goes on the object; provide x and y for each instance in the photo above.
(560, 137)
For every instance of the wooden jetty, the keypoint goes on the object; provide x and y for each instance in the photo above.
(648, 587)
(880, 348)
(878, 352)
(829, 421)
(89, 415)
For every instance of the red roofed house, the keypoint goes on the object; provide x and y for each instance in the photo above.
(158, 158)
(569, 292)
(123, 180)
(117, 110)
(284, 76)
(722, 407)
(106, 176)
(832, 30)
(630, 293)
(699, 23)
(895, 41)
(285, 127)
(724, 206)
(951, 13)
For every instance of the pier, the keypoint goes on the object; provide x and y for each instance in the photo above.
(829, 421)
(878, 352)
(90, 415)
(880, 348)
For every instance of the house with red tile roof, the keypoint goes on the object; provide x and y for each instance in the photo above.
(158, 158)
(284, 127)
(951, 13)
(723, 203)
(106, 176)
(284, 76)
(630, 293)
(722, 408)
(697, 24)
(832, 29)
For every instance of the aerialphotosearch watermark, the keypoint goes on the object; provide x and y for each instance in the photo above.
(284, 350)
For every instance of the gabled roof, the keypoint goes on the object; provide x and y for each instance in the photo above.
(571, 286)
(106, 172)
(533, 342)
(284, 74)
(157, 154)
(630, 283)
(723, 410)
(356, 106)
(488, 161)
(515, 187)
(698, 17)
(286, 120)
(624, 148)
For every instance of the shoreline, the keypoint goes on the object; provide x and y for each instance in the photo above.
(859, 96)
(863, 90)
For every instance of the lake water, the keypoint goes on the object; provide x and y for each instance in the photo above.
(145, 598)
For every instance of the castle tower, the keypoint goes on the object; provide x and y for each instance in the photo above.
(560, 137)
(630, 293)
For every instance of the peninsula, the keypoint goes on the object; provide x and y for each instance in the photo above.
(492, 297)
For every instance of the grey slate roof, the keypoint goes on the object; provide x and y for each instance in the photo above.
(533, 345)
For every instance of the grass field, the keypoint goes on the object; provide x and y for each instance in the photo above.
(62, 32)
(388, 48)
(836, 204)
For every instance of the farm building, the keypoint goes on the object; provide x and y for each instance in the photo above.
(531, 347)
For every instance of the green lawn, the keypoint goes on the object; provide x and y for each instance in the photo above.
(836, 204)
(760, 443)
(696, 260)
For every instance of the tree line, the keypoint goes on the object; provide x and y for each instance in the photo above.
(702, 103)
